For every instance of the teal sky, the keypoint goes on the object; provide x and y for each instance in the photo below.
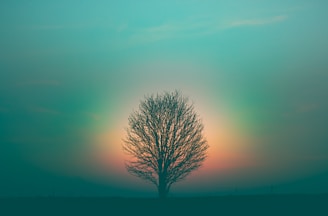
(71, 72)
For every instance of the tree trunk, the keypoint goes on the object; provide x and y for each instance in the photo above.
(162, 191)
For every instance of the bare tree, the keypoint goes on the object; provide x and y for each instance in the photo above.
(165, 140)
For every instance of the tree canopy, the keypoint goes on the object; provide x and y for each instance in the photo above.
(165, 140)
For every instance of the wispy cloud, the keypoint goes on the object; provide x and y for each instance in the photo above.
(93, 116)
(38, 83)
(46, 27)
(122, 27)
(56, 27)
(305, 108)
(38, 109)
(190, 29)
(171, 30)
(258, 22)
(314, 158)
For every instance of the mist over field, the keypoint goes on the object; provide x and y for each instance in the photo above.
(71, 73)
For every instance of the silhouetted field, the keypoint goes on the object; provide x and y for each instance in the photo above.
(223, 205)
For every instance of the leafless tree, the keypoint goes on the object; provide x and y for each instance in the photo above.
(165, 140)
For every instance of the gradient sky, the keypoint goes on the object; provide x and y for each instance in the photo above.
(71, 72)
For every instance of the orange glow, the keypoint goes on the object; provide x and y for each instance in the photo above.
(229, 147)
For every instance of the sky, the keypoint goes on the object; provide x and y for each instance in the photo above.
(71, 73)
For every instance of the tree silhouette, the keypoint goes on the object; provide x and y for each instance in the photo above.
(164, 140)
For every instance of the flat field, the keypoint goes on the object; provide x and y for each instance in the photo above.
(220, 205)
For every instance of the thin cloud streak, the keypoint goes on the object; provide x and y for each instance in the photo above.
(194, 29)
(93, 116)
(307, 108)
(258, 22)
(38, 83)
(44, 110)
(54, 27)
(171, 30)
(47, 27)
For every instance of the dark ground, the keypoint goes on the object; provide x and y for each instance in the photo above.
(223, 205)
